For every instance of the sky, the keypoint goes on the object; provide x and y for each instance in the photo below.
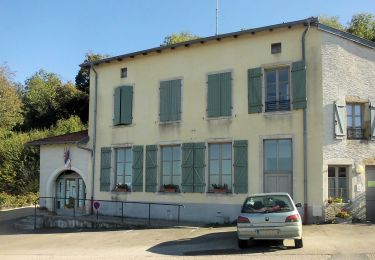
(55, 35)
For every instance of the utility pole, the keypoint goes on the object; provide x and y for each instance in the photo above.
(217, 17)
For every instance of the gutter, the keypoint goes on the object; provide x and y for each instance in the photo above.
(305, 194)
(94, 137)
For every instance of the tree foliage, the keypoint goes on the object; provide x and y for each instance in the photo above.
(10, 102)
(47, 99)
(361, 25)
(179, 37)
(83, 76)
(332, 21)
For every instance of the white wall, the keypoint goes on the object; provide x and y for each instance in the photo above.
(348, 74)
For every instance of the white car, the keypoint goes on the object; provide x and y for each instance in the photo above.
(269, 216)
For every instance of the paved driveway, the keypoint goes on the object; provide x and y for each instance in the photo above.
(320, 242)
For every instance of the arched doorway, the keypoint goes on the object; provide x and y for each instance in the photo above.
(70, 191)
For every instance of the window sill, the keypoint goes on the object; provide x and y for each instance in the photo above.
(219, 118)
(169, 193)
(123, 125)
(121, 192)
(274, 113)
(170, 122)
(211, 193)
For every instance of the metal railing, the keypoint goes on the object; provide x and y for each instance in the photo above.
(83, 207)
(355, 133)
(280, 105)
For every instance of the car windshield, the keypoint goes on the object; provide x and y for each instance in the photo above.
(267, 204)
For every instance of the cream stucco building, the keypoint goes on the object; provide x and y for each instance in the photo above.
(204, 123)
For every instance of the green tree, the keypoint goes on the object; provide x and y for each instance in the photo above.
(10, 101)
(47, 99)
(83, 76)
(363, 25)
(179, 37)
(332, 21)
(66, 126)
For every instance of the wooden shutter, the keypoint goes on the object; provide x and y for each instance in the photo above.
(165, 101)
(226, 94)
(126, 105)
(175, 109)
(299, 84)
(105, 169)
(137, 179)
(213, 95)
(339, 119)
(372, 120)
(199, 166)
(254, 90)
(117, 106)
(187, 166)
(240, 166)
(151, 168)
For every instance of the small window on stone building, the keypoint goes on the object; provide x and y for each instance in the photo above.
(124, 72)
(276, 48)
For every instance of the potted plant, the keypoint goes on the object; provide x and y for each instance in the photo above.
(220, 188)
(170, 188)
(122, 187)
(70, 203)
(337, 200)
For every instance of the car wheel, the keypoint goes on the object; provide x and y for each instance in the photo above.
(298, 243)
(242, 243)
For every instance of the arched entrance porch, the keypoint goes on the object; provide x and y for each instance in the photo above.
(70, 191)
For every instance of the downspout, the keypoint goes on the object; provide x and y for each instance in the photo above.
(305, 197)
(94, 137)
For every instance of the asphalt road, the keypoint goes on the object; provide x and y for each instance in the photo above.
(340, 241)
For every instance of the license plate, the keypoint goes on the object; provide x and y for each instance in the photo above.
(268, 232)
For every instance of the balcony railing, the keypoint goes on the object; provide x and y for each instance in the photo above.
(355, 133)
(280, 105)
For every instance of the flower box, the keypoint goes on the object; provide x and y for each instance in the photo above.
(220, 190)
(170, 188)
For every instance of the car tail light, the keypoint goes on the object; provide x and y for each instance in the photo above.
(292, 218)
(241, 219)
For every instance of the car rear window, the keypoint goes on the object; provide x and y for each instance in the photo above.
(267, 204)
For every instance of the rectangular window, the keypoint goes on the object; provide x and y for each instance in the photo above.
(124, 72)
(220, 166)
(338, 182)
(219, 96)
(354, 114)
(170, 166)
(278, 165)
(277, 89)
(124, 162)
(276, 48)
(170, 100)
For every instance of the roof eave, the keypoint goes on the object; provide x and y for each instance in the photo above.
(312, 20)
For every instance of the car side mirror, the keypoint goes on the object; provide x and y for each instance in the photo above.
(298, 205)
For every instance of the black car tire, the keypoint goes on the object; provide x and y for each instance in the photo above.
(298, 243)
(242, 243)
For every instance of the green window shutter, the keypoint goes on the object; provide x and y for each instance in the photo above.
(240, 166)
(226, 94)
(126, 116)
(299, 84)
(151, 168)
(372, 120)
(340, 119)
(199, 166)
(254, 90)
(187, 166)
(213, 95)
(137, 180)
(117, 106)
(165, 101)
(175, 110)
(105, 169)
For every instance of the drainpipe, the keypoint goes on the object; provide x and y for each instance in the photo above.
(94, 137)
(305, 206)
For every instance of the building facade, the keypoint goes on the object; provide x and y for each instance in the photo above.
(206, 122)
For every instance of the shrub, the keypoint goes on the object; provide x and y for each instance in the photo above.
(13, 201)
